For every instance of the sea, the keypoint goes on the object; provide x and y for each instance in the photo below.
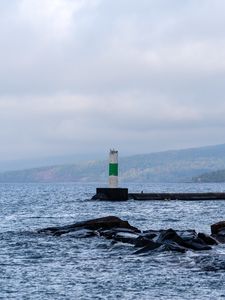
(39, 266)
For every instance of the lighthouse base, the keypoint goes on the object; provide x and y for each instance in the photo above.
(111, 194)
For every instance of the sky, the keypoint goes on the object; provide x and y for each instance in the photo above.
(78, 77)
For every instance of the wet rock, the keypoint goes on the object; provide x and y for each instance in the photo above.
(110, 233)
(219, 238)
(82, 233)
(151, 234)
(142, 241)
(120, 236)
(100, 196)
(218, 231)
(126, 238)
(217, 227)
(198, 245)
(118, 230)
(154, 246)
(168, 240)
(149, 247)
(171, 246)
(209, 240)
(171, 236)
(49, 230)
(222, 232)
(94, 224)
(188, 234)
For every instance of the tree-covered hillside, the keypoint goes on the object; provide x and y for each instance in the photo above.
(216, 176)
(168, 166)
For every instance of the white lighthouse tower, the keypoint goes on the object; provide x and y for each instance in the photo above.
(113, 169)
(112, 193)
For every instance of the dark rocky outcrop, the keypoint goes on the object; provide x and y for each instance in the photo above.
(209, 240)
(218, 231)
(150, 245)
(118, 230)
(101, 224)
(217, 227)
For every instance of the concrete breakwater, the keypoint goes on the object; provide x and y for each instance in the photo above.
(177, 196)
(118, 230)
(122, 194)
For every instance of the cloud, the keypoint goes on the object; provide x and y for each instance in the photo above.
(91, 74)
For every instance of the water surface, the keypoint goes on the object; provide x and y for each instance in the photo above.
(35, 266)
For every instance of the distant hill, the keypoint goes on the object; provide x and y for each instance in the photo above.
(167, 166)
(216, 176)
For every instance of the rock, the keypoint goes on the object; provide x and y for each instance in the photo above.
(222, 232)
(149, 247)
(188, 234)
(171, 246)
(142, 241)
(150, 234)
(121, 230)
(170, 236)
(197, 245)
(100, 196)
(82, 233)
(120, 236)
(118, 230)
(168, 246)
(219, 238)
(218, 231)
(107, 223)
(126, 238)
(217, 227)
(168, 240)
(209, 240)
(94, 224)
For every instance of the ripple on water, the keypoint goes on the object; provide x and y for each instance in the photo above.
(35, 266)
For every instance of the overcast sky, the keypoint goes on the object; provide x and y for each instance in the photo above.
(82, 76)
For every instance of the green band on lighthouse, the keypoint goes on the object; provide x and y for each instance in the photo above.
(113, 169)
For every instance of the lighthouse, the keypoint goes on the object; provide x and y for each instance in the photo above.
(112, 192)
(113, 169)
